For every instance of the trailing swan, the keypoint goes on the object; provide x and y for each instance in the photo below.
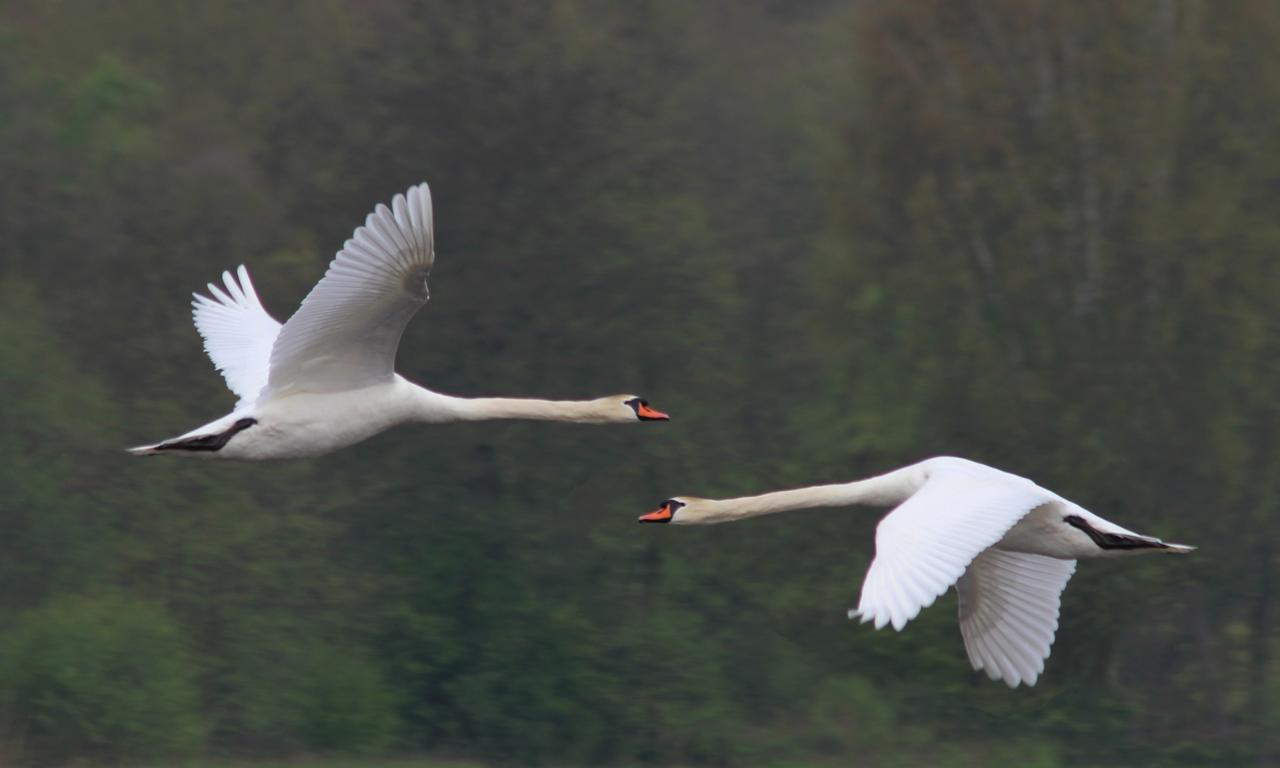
(1006, 544)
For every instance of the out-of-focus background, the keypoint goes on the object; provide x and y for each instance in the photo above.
(830, 238)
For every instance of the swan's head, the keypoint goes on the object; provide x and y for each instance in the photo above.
(638, 409)
(669, 511)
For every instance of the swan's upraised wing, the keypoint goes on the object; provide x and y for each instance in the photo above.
(1009, 612)
(345, 334)
(238, 334)
(926, 543)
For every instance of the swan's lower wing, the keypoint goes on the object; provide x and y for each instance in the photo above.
(926, 543)
(1009, 612)
(345, 334)
(238, 333)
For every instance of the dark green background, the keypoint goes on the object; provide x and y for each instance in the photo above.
(829, 238)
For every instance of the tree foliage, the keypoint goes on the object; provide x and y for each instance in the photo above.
(829, 238)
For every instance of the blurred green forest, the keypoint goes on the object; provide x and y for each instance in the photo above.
(830, 238)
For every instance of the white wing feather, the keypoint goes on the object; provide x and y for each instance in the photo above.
(345, 334)
(1009, 612)
(238, 334)
(926, 543)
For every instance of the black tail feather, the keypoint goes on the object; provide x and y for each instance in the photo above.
(1114, 540)
(213, 442)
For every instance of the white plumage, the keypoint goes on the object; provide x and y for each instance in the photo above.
(238, 334)
(326, 378)
(1009, 612)
(926, 543)
(345, 334)
(1007, 545)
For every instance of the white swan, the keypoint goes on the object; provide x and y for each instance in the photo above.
(326, 379)
(1006, 544)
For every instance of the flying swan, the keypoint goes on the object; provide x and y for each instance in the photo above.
(326, 378)
(1006, 544)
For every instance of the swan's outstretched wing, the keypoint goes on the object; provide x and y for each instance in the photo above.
(1009, 612)
(238, 333)
(345, 334)
(926, 543)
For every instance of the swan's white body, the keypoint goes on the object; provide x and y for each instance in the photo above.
(1006, 544)
(326, 378)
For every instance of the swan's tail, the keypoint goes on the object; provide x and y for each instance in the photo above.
(190, 445)
(1137, 544)
(196, 442)
(1112, 539)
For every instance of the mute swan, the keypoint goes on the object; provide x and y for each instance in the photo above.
(1006, 544)
(326, 379)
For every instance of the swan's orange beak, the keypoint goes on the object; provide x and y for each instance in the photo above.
(660, 515)
(649, 414)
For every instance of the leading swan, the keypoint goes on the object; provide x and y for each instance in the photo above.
(326, 378)
(1006, 544)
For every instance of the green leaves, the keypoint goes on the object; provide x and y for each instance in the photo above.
(100, 675)
(830, 240)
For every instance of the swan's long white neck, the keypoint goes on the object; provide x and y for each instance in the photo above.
(428, 406)
(884, 490)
